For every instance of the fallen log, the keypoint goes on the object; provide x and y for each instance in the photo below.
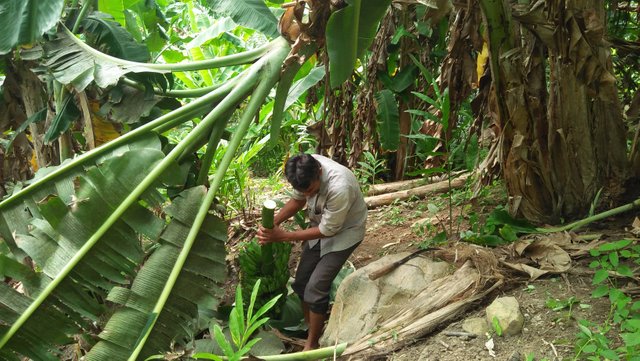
(420, 192)
(383, 188)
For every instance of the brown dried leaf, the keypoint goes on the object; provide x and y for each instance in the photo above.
(636, 227)
(533, 272)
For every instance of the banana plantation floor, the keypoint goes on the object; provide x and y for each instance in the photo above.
(547, 333)
(551, 304)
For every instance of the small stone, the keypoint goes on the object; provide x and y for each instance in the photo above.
(515, 356)
(507, 311)
(476, 325)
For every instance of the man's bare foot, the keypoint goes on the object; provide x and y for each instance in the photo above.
(308, 347)
(316, 323)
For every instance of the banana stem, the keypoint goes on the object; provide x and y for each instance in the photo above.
(83, 13)
(270, 70)
(268, 210)
(596, 217)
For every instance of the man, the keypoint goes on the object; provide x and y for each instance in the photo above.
(337, 213)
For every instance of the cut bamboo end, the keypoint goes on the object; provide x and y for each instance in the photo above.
(270, 204)
(268, 208)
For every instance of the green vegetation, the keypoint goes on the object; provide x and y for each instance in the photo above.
(133, 132)
(242, 326)
(618, 337)
(370, 170)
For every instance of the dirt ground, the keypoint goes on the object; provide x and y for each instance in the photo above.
(547, 334)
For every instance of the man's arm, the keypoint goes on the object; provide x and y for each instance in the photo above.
(289, 210)
(278, 234)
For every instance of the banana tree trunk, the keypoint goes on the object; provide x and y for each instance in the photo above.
(24, 96)
(563, 136)
(34, 99)
(15, 162)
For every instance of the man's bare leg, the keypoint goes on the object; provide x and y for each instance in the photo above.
(305, 312)
(316, 324)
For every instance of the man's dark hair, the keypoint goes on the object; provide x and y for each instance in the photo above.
(301, 171)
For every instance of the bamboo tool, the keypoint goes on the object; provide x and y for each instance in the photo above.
(268, 208)
(390, 267)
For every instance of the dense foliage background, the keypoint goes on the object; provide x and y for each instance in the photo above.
(131, 130)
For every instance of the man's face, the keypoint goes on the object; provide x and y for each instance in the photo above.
(314, 187)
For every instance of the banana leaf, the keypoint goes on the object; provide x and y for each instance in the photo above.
(101, 30)
(62, 221)
(350, 32)
(388, 119)
(15, 219)
(55, 222)
(63, 120)
(253, 14)
(70, 61)
(110, 37)
(301, 86)
(24, 22)
(194, 296)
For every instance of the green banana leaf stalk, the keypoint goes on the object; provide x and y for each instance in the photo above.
(70, 225)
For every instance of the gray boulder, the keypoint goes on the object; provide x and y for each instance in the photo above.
(361, 303)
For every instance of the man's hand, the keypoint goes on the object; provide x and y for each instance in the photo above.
(276, 234)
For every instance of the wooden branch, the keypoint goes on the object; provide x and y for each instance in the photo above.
(459, 334)
(407, 184)
(420, 192)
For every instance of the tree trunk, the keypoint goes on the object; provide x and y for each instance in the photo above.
(15, 161)
(34, 98)
(562, 140)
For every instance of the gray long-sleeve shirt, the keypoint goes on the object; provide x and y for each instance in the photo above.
(338, 209)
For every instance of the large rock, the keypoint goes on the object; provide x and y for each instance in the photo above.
(507, 311)
(361, 303)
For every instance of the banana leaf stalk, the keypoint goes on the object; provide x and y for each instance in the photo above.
(83, 13)
(317, 354)
(229, 102)
(245, 57)
(179, 93)
(270, 71)
(596, 217)
(212, 145)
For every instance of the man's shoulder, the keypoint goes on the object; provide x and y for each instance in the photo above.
(327, 162)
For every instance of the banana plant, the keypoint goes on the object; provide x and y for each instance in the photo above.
(93, 246)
